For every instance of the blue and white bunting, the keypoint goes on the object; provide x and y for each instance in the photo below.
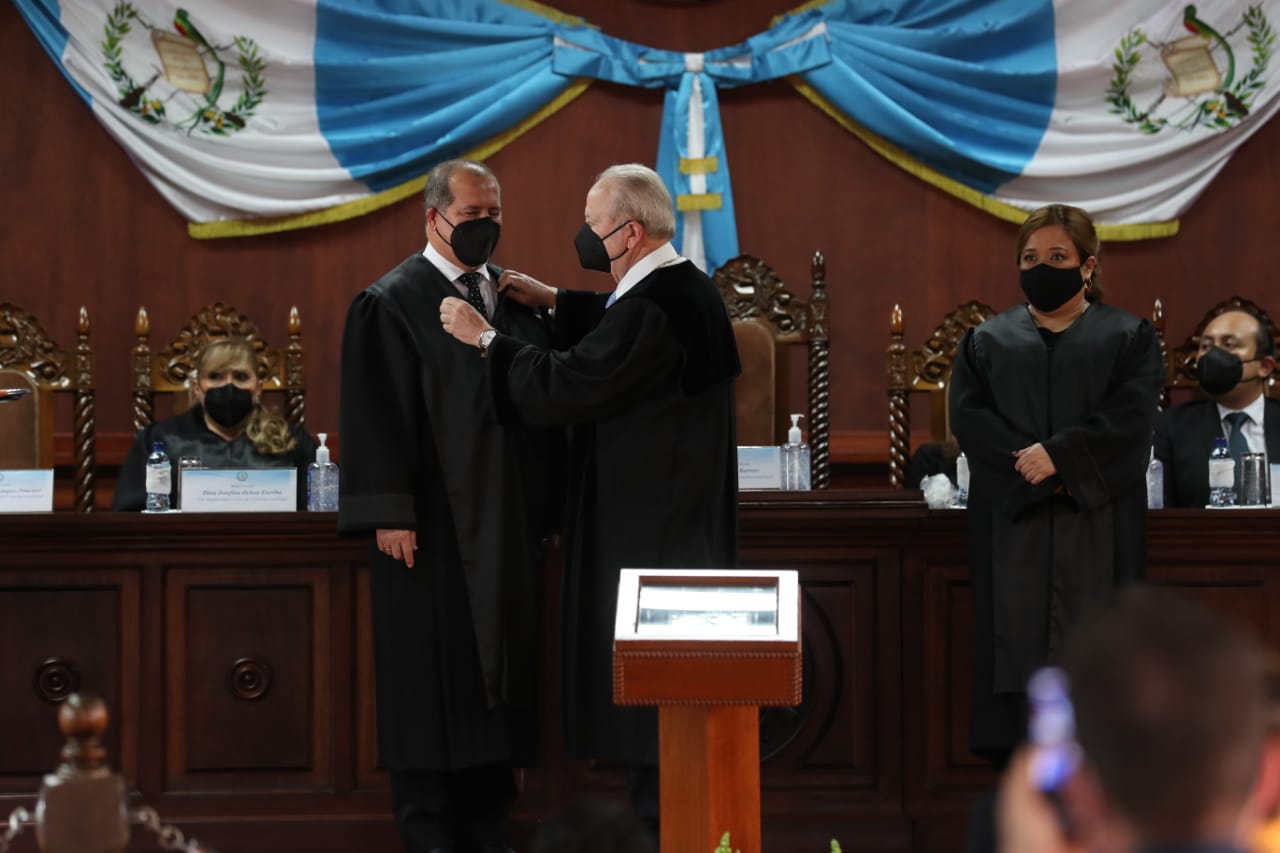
(251, 116)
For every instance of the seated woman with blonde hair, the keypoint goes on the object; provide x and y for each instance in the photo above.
(226, 427)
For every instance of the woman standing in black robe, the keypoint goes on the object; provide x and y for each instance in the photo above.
(1053, 402)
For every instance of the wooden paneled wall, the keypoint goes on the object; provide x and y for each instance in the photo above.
(80, 226)
(234, 654)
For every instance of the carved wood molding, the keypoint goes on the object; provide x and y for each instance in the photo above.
(927, 368)
(25, 346)
(930, 365)
(176, 362)
(753, 291)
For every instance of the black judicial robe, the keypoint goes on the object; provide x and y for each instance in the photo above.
(456, 636)
(1040, 555)
(187, 434)
(647, 387)
(1184, 438)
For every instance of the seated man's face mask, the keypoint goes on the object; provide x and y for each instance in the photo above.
(1218, 371)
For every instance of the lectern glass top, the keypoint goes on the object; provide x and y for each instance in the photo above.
(707, 607)
(678, 607)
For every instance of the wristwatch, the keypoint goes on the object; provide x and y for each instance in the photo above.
(486, 338)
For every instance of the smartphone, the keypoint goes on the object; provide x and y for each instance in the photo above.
(7, 394)
(1051, 731)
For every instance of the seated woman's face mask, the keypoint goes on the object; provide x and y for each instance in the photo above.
(228, 404)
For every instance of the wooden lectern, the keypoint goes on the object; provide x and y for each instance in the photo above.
(707, 647)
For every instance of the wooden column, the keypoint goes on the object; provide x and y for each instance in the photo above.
(709, 776)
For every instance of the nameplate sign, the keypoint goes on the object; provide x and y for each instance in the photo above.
(26, 491)
(759, 467)
(238, 490)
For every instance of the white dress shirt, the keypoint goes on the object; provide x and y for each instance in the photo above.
(663, 256)
(451, 271)
(1255, 431)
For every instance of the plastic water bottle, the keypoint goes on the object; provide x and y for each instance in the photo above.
(795, 460)
(159, 478)
(1155, 482)
(1222, 474)
(322, 481)
(962, 480)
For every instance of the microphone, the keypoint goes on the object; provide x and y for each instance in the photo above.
(8, 395)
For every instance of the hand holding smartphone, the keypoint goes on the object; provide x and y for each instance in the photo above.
(1051, 728)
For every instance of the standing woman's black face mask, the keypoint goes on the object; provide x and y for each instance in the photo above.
(1048, 288)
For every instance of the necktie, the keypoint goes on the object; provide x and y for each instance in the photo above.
(474, 295)
(613, 297)
(1235, 439)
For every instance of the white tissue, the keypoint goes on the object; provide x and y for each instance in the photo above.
(939, 492)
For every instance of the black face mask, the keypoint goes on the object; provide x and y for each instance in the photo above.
(591, 251)
(1049, 287)
(228, 404)
(1218, 371)
(473, 240)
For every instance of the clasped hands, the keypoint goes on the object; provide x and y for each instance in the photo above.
(1034, 464)
(465, 323)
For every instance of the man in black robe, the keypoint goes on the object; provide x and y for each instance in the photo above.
(1042, 553)
(457, 504)
(1235, 360)
(644, 376)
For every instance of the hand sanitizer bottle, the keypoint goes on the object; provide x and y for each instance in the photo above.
(1155, 482)
(322, 481)
(962, 481)
(795, 460)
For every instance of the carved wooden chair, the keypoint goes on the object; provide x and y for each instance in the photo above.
(925, 369)
(1180, 361)
(29, 359)
(168, 370)
(767, 320)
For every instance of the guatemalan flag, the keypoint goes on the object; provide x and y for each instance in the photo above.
(253, 116)
(1127, 108)
(259, 115)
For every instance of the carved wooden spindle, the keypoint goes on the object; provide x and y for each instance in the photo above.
(143, 406)
(819, 384)
(82, 719)
(1157, 320)
(82, 805)
(84, 454)
(899, 413)
(295, 402)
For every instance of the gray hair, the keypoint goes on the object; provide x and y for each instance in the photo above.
(639, 194)
(438, 194)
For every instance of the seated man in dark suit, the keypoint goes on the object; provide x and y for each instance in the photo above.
(1236, 356)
